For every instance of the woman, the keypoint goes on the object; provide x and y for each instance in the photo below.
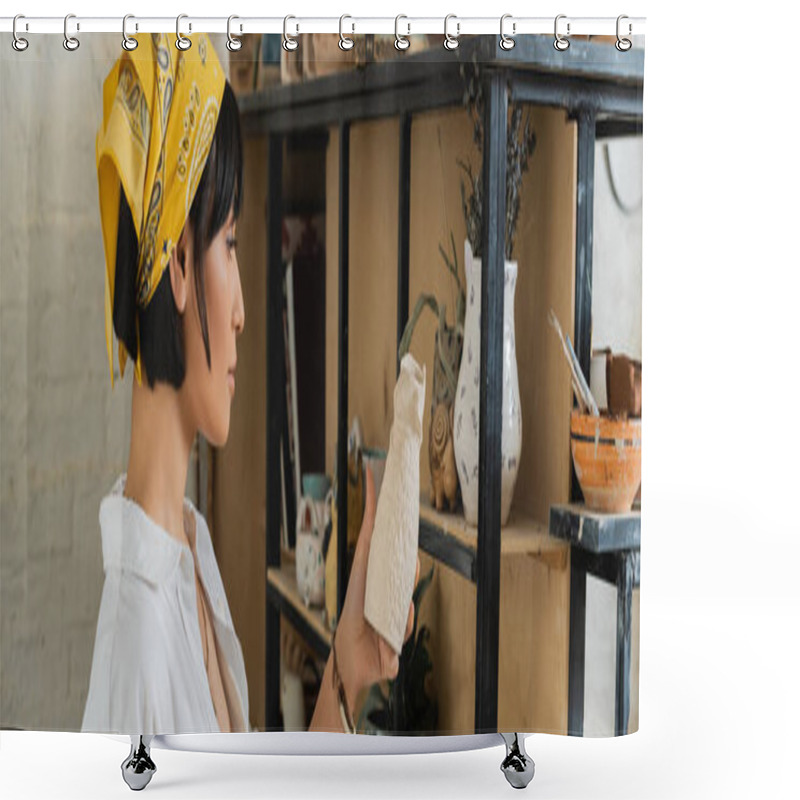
(166, 656)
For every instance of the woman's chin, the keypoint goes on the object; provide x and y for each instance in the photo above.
(217, 435)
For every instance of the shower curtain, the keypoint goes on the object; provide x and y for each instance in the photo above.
(477, 208)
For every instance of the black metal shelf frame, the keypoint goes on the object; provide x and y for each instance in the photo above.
(601, 89)
(606, 547)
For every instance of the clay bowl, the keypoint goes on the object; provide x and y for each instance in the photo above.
(607, 454)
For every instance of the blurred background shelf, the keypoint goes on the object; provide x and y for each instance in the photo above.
(283, 593)
(448, 538)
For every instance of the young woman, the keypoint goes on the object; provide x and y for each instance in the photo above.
(166, 656)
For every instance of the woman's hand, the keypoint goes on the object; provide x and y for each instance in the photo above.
(364, 657)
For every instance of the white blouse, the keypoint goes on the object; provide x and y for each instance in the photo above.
(148, 674)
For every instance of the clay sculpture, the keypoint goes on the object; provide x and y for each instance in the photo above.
(392, 562)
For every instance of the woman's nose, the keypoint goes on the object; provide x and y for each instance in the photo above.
(238, 305)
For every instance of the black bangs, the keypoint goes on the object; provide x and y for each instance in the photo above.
(160, 328)
(220, 185)
(219, 191)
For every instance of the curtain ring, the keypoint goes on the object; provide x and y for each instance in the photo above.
(623, 44)
(128, 42)
(345, 43)
(401, 42)
(234, 42)
(182, 42)
(18, 43)
(506, 42)
(450, 41)
(70, 42)
(561, 43)
(289, 42)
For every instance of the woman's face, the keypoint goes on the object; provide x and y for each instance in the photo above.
(208, 394)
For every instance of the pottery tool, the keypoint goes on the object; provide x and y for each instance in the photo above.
(581, 387)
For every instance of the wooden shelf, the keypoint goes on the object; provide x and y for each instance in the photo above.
(448, 538)
(310, 623)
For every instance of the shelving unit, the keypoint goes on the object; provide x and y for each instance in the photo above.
(601, 89)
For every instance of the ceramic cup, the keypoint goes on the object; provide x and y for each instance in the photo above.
(309, 561)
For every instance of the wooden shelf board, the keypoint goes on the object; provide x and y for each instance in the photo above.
(522, 535)
(307, 620)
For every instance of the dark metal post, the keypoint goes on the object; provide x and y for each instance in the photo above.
(403, 228)
(403, 253)
(275, 414)
(491, 402)
(577, 641)
(584, 235)
(625, 582)
(341, 452)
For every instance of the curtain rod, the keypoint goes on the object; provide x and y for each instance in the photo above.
(404, 25)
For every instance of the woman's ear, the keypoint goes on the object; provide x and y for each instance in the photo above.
(179, 272)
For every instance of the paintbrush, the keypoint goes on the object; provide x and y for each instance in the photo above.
(585, 398)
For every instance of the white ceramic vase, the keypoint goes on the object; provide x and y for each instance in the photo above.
(312, 518)
(467, 403)
(392, 564)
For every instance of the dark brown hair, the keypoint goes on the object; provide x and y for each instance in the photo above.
(160, 328)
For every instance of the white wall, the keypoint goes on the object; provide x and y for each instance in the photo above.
(617, 253)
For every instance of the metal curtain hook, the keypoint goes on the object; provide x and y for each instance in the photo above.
(182, 42)
(345, 43)
(623, 44)
(234, 42)
(128, 42)
(450, 41)
(70, 42)
(561, 42)
(401, 42)
(18, 43)
(289, 42)
(506, 42)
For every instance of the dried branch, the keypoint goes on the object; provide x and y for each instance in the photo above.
(520, 145)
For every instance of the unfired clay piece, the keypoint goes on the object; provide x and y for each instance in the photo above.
(393, 551)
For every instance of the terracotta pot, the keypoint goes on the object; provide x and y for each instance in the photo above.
(607, 454)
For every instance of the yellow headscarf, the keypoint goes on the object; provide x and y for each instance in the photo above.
(160, 109)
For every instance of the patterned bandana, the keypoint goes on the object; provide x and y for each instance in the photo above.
(160, 109)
